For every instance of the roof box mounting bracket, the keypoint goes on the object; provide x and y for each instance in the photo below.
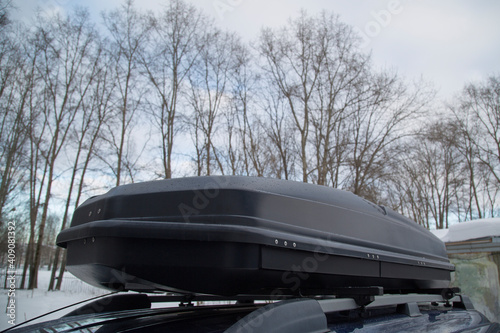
(361, 295)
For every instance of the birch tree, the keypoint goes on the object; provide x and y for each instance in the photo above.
(85, 135)
(66, 75)
(16, 80)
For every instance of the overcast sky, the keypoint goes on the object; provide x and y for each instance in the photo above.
(448, 42)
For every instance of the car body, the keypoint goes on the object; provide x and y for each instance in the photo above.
(281, 256)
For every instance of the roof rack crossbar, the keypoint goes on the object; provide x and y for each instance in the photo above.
(406, 303)
(344, 304)
(187, 298)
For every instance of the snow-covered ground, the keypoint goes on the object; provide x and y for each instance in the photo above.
(33, 303)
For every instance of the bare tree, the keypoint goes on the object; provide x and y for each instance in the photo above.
(483, 100)
(477, 116)
(230, 147)
(36, 127)
(84, 136)
(293, 60)
(209, 83)
(129, 30)
(100, 106)
(376, 125)
(341, 86)
(275, 143)
(16, 86)
(169, 57)
(429, 175)
(37, 169)
(408, 193)
(16, 80)
(238, 148)
(66, 43)
(5, 6)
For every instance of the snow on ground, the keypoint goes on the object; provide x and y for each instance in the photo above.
(470, 230)
(32, 303)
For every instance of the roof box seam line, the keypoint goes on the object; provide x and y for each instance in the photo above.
(343, 241)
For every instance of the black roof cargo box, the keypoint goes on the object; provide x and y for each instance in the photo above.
(228, 235)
